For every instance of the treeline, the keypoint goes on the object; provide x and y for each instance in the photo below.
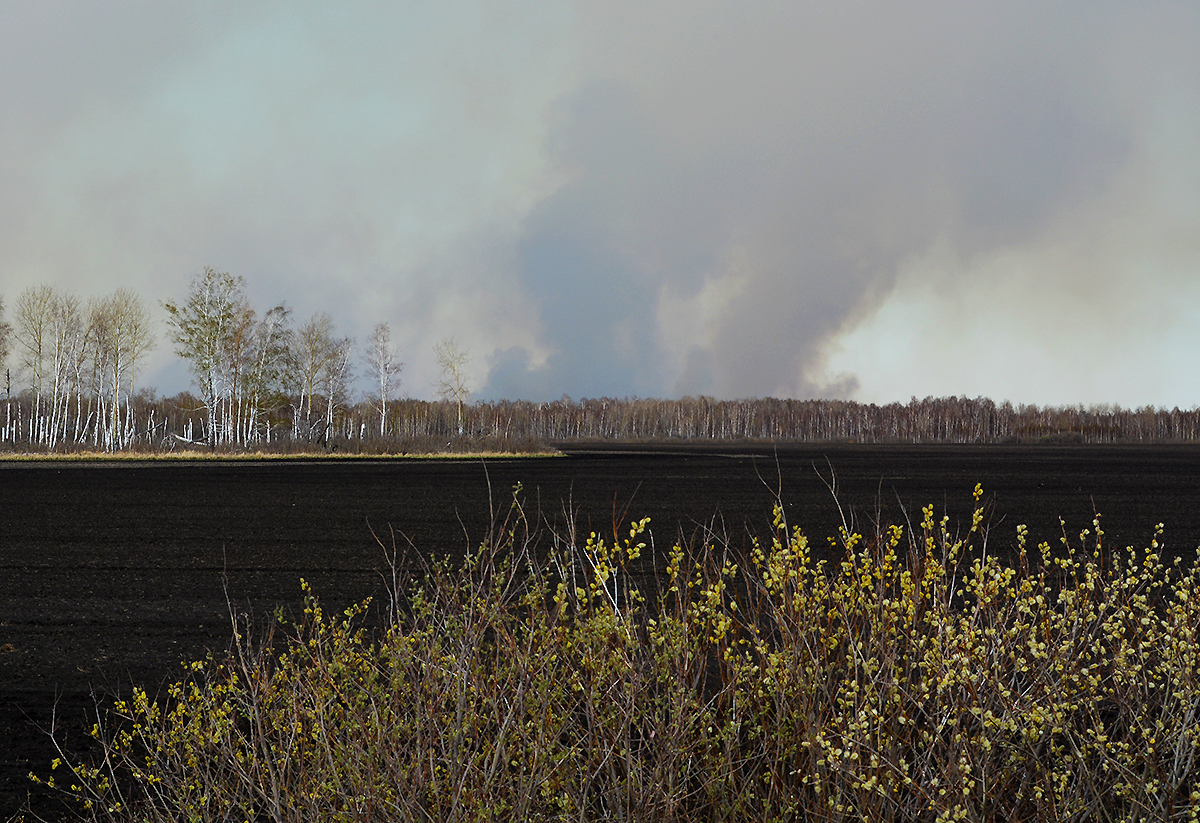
(77, 363)
(266, 383)
(149, 423)
(932, 420)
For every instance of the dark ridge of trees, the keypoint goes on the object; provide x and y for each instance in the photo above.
(932, 420)
(284, 424)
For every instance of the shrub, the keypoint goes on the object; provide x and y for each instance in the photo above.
(919, 677)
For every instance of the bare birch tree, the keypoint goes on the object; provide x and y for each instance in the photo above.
(270, 347)
(123, 337)
(5, 336)
(65, 342)
(383, 367)
(32, 317)
(202, 330)
(453, 383)
(335, 377)
(239, 357)
(5, 332)
(82, 354)
(95, 365)
(313, 348)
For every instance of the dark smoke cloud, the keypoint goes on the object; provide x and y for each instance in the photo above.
(803, 194)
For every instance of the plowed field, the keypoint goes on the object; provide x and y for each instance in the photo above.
(112, 573)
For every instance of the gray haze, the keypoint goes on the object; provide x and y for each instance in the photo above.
(864, 200)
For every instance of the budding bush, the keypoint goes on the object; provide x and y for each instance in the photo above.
(917, 677)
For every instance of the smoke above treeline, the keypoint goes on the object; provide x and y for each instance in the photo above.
(265, 380)
(868, 201)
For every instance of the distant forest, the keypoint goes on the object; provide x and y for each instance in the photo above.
(180, 422)
(266, 385)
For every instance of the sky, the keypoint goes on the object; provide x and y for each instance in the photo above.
(860, 200)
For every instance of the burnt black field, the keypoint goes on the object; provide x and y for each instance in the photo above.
(112, 573)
